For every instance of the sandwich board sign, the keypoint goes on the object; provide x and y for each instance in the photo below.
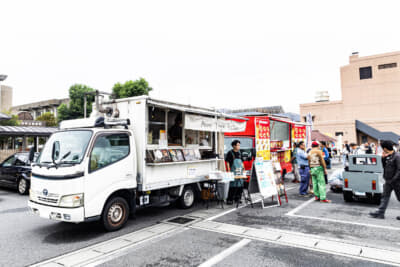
(263, 179)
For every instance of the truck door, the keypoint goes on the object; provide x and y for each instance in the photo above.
(6, 170)
(111, 167)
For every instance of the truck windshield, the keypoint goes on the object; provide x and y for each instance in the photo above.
(70, 145)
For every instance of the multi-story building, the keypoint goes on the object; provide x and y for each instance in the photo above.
(6, 93)
(370, 101)
(33, 110)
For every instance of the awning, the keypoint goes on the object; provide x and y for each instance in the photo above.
(376, 134)
(27, 131)
(4, 116)
(192, 109)
(317, 136)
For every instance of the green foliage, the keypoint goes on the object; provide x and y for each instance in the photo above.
(49, 118)
(131, 88)
(63, 112)
(14, 121)
(76, 104)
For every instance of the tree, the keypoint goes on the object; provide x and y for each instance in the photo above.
(14, 121)
(49, 118)
(62, 112)
(75, 109)
(131, 88)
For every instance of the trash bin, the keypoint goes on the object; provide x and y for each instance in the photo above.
(223, 190)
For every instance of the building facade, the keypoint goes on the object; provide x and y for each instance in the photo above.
(370, 94)
(33, 110)
(6, 94)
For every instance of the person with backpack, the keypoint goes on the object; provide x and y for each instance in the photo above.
(234, 163)
(391, 174)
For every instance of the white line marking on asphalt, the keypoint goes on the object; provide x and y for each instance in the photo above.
(77, 258)
(124, 251)
(293, 211)
(346, 222)
(219, 257)
(308, 242)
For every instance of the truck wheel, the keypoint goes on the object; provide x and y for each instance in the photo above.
(348, 196)
(23, 186)
(186, 200)
(115, 214)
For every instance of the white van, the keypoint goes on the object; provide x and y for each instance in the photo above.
(130, 153)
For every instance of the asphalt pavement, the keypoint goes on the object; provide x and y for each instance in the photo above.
(299, 233)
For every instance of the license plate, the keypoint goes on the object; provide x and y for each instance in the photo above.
(360, 193)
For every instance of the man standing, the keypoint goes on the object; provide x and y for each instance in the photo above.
(318, 169)
(304, 169)
(391, 174)
(235, 164)
(295, 166)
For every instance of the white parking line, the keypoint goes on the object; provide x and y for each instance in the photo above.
(306, 241)
(219, 257)
(293, 211)
(345, 222)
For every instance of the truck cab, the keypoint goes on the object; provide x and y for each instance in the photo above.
(82, 172)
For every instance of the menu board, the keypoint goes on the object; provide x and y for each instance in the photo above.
(265, 178)
(263, 139)
(299, 133)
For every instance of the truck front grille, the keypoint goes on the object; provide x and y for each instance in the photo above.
(48, 200)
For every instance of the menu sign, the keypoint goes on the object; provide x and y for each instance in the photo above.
(265, 178)
(299, 133)
(263, 139)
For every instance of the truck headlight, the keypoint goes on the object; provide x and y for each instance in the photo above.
(72, 201)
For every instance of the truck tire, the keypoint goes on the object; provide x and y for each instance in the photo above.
(348, 196)
(115, 214)
(186, 200)
(23, 186)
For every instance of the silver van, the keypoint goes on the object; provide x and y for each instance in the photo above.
(363, 178)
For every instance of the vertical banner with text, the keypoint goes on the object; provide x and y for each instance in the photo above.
(263, 139)
(299, 133)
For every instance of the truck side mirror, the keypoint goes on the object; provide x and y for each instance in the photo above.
(31, 154)
(55, 152)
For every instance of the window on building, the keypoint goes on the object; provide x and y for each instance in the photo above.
(338, 133)
(365, 73)
(364, 139)
(387, 66)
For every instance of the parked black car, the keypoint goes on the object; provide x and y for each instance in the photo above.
(15, 172)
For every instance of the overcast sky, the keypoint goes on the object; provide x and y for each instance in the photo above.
(209, 53)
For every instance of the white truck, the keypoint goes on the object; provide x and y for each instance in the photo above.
(132, 152)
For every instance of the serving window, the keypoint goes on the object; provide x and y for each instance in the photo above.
(166, 129)
(156, 125)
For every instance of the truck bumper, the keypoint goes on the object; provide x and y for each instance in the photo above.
(74, 215)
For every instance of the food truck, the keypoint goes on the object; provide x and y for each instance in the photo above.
(269, 137)
(130, 153)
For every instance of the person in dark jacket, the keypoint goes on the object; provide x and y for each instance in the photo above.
(391, 174)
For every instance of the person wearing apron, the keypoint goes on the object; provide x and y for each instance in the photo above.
(235, 165)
